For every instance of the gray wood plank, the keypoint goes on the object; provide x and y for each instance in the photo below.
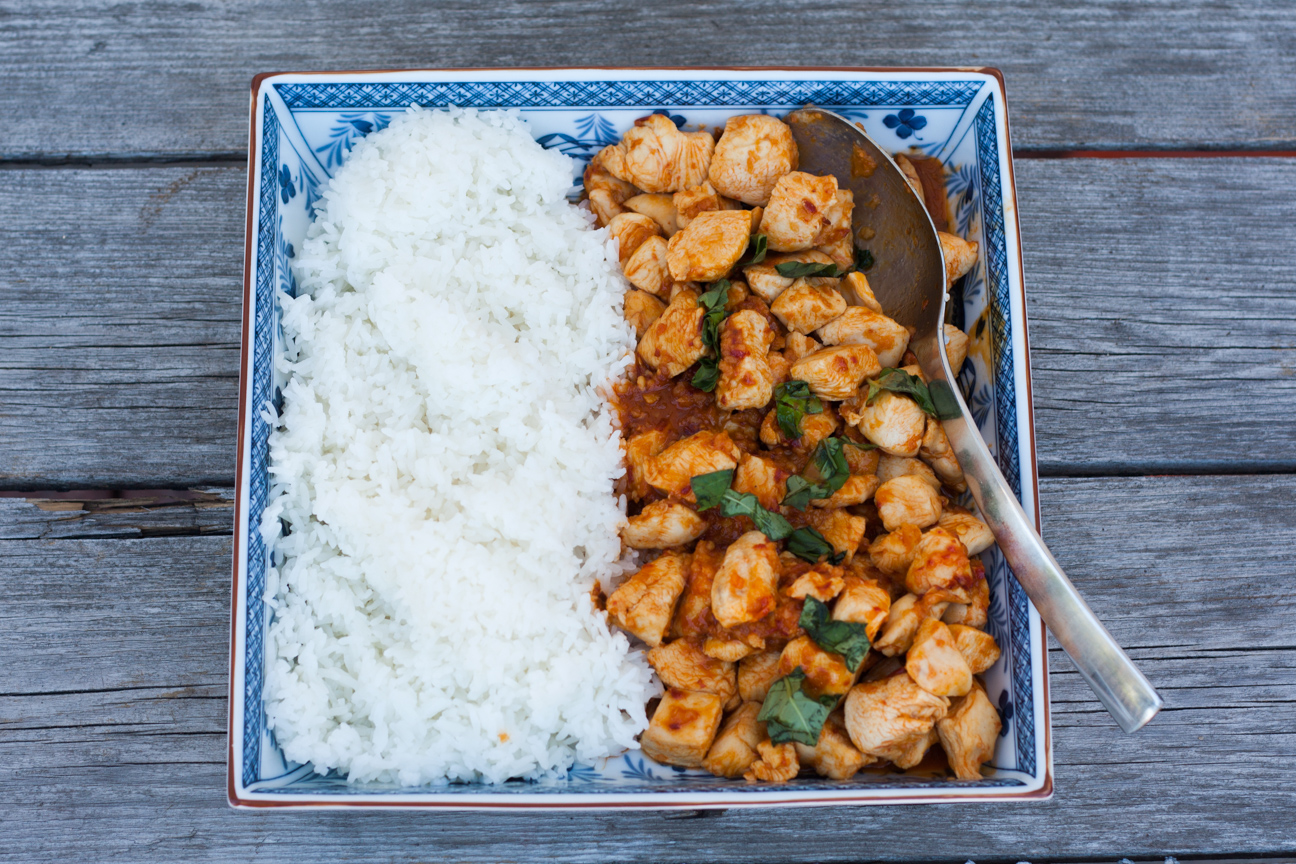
(1162, 313)
(169, 78)
(112, 712)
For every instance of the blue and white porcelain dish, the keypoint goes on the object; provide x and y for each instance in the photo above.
(301, 130)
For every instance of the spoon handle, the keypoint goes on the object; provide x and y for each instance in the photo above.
(1108, 671)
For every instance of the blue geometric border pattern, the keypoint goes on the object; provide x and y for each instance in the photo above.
(262, 384)
(614, 94)
(1005, 393)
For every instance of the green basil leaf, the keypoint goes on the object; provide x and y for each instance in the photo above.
(792, 401)
(846, 638)
(900, 381)
(709, 489)
(809, 545)
(863, 445)
(829, 473)
(772, 525)
(707, 375)
(757, 246)
(714, 302)
(796, 269)
(790, 715)
(863, 259)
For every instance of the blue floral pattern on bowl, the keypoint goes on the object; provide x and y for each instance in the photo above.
(307, 124)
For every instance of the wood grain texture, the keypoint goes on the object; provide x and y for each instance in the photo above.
(112, 712)
(1161, 304)
(168, 79)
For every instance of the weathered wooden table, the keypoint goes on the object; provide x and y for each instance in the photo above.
(1156, 165)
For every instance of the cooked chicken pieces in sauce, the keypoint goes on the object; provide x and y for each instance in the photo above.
(795, 510)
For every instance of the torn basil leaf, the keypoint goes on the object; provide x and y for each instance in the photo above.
(809, 545)
(863, 445)
(900, 381)
(797, 269)
(709, 489)
(790, 715)
(707, 376)
(792, 401)
(863, 259)
(828, 472)
(846, 638)
(757, 246)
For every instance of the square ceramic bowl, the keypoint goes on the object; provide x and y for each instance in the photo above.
(302, 127)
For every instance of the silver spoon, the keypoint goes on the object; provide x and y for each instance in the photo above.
(908, 279)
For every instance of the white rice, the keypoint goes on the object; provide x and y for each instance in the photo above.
(445, 463)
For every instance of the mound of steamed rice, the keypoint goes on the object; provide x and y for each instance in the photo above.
(444, 464)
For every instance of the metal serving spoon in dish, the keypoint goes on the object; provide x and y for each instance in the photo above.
(908, 279)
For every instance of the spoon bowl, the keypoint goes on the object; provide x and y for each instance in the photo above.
(908, 280)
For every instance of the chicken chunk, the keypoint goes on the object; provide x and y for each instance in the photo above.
(960, 257)
(978, 648)
(674, 341)
(641, 310)
(940, 562)
(734, 749)
(836, 373)
(730, 650)
(974, 613)
(662, 524)
(798, 346)
(797, 210)
(822, 581)
(682, 728)
(833, 756)
(658, 207)
(744, 586)
(746, 380)
(884, 716)
(756, 672)
(814, 428)
(646, 268)
(808, 304)
(859, 325)
(777, 763)
(907, 500)
(826, 672)
(691, 203)
(607, 194)
(956, 347)
(639, 452)
(765, 280)
(893, 422)
(682, 665)
(841, 529)
(968, 734)
(863, 601)
(657, 157)
(903, 620)
(835, 239)
(709, 246)
(937, 452)
(702, 453)
(913, 751)
(693, 612)
(893, 553)
(631, 231)
(971, 531)
(890, 467)
(644, 603)
(780, 366)
(911, 175)
(863, 459)
(854, 285)
(760, 477)
(750, 157)
(857, 489)
(935, 663)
